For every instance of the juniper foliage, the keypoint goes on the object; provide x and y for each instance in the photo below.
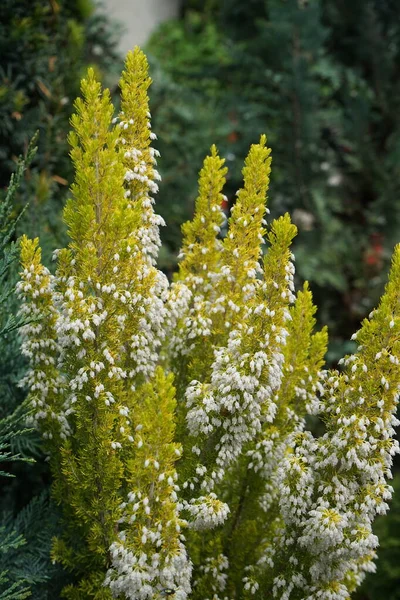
(9, 322)
(24, 537)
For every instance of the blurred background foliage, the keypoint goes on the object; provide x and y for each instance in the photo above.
(320, 77)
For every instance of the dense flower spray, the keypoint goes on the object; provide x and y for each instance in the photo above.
(105, 409)
(175, 416)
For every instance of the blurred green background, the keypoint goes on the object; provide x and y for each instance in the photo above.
(320, 77)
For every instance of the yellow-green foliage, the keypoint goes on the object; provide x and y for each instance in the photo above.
(218, 274)
(97, 191)
(201, 246)
(155, 479)
(242, 246)
(45, 383)
(175, 416)
(92, 353)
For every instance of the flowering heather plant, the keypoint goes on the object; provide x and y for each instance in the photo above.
(175, 416)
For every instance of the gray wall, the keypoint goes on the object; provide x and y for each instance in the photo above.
(138, 18)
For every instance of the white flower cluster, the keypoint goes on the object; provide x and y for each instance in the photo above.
(273, 444)
(40, 346)
(144, 578)
(194, 302)
(246, 375)
(235, 401)
(149, 313)
(214, 570)
(179, 300)
(141, 169)
(205, 512)
(140, 182)
(250, 584)
(332, 487)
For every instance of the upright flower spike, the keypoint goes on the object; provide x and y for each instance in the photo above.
(221, 276)
(248, 370)
(105, 310)
(86, 469)
(245, 389)
(303, 354)
(149, 556)
(139, 158)
(243, 245)
(333, 486)
(191, 299)
(201, 246)
(40, 345)
(205, 415)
